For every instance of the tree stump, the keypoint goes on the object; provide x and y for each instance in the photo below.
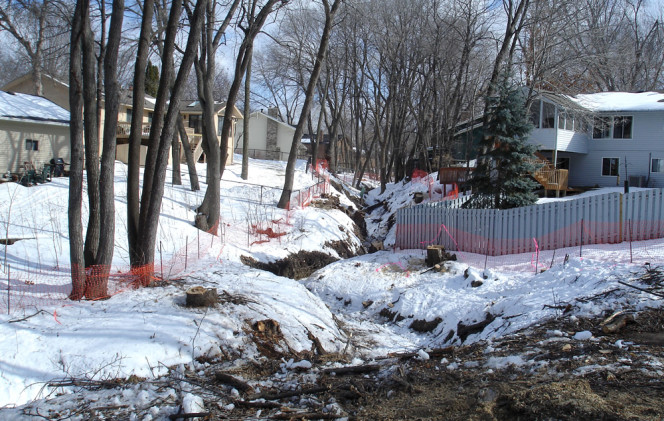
(435, 255)
(201, 297)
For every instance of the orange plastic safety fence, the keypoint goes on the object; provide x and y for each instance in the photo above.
(47, 286)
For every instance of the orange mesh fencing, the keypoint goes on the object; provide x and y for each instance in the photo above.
(36, 288)
(27, 287)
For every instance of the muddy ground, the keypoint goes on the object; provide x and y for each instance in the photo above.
(541, 373)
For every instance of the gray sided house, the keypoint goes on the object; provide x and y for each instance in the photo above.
(269, 137)
(603, 139)
(32, 129)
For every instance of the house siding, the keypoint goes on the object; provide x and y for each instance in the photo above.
(258, 134)
(53, 143)
(569, 141)
(543, 139)
(647, 139)
(52, 90)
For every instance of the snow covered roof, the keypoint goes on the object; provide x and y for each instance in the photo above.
(127, 98)
(18, 106)
(621, 101)
(269, 117)
(195, 107)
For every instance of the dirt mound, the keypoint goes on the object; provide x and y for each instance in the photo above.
(543, 372)
(327, 201)
(296, 266)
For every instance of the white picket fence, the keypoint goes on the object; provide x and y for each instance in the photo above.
(601, 219)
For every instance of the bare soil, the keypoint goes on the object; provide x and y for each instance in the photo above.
(555, 377)
(540, 373)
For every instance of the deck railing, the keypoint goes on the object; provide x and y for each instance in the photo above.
(125, 127)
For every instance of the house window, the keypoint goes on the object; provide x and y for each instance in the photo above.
(220, 123)
(128, 115)
(548, 115)
(31, 145)
(601, 127)
(563, 164)
(150, 115)
(561, 120)
(565, 121)
(610, 166)
(196, 123)
(535, 113)
(657, 165)
(622, 127)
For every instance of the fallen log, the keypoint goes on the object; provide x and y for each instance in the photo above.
(262, 405)
(357, 369)
(616, 323)
(290, 393)
(307, 416)
(186, 416)
(227, 379)
(433, 353)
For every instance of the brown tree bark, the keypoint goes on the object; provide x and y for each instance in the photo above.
(99, 287)
(188, 155)
(91, 135)
(208, 213)
(207, 218)
(247, 114)
(330, 12)
(158, 162)
(136, 131)
(74, 212)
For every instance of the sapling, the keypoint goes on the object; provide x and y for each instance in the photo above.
(12, 195)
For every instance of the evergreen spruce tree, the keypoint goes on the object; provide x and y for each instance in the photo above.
(502, 177)
(151, 79)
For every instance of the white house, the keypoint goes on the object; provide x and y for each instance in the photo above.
(32, 129)
(269, 138)
(604, 138)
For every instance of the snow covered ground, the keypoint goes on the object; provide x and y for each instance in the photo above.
(364, 306)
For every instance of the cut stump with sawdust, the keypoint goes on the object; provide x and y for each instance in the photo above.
(199, 296)
(436, 254)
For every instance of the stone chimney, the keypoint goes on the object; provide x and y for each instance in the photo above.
(273, 112)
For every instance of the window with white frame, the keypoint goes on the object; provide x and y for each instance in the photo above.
(31, 145)
(548, 115)
(601, 127)
(622, 127)
(657, 165)
(610, 166)
(617, 127)
(566, 121)
(535, 113)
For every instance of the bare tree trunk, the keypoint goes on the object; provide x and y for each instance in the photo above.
(136, 131)
(107, 175)
(255, 23)
(207, 218)
(151, 209)
(247, 114)
(156, 129)
(76, 257)
(188, 155)
(91, 132)
(330, 12)
(176, 178)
